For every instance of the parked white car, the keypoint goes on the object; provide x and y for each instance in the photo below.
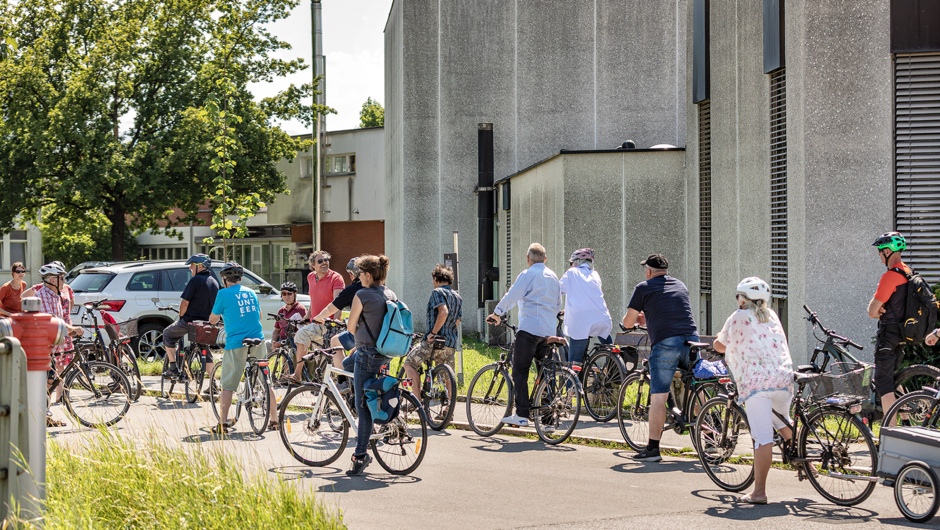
(130, 288)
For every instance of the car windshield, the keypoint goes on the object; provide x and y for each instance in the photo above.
(91, 282)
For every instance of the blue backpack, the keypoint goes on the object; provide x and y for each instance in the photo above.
(383, 397)
(394, 338)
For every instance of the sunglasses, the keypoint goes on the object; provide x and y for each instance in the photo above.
(287, 293)
(321, 260)
(20, 271)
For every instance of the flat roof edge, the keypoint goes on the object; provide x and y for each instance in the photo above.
(586, 152)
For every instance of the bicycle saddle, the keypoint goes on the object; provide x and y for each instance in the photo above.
(800, 378)
(556, 340)
(252, 342)
(693, 344)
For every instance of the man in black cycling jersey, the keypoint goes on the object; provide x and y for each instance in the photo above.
(196, 304)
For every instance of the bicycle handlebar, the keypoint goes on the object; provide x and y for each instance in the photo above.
(637, 327)
(814, 320)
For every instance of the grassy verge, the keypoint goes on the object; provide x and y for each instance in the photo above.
(151, 368)
(112, 483)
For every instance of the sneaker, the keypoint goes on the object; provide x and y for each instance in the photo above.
(648, 455)
(359, 464)
(173, 372)
(516, 420)
(548, 428)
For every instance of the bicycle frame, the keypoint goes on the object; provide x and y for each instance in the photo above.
(330, 384)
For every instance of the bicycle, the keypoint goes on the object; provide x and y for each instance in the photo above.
(438, 386)
(834, 347)
(920, 408)
(830, 442)
(96, 393)
(634, 400)
(555, 398)
(321, 417)
(118, 350)
(253, 393)
(192, 359)
(283, 360)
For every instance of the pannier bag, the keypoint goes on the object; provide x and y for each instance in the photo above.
(383, 397)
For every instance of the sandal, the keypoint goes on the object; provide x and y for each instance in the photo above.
(221, 428)
(274, 425)
(52, 422)
(290, 380)
(749, 500)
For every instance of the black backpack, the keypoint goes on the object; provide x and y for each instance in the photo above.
(920, 313)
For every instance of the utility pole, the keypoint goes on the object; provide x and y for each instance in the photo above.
(319, 68)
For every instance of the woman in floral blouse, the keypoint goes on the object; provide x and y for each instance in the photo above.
(758, 357)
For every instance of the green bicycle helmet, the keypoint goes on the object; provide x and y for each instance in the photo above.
(892, 240)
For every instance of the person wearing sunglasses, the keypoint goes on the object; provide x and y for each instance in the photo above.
(292, 310)
(324, 283)
(10, 292)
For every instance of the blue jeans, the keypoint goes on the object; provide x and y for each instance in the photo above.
(368, 365)
(578, 347)
(665, 356)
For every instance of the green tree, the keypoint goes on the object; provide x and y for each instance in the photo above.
(101, 108)
(372, 114)
(74, 239)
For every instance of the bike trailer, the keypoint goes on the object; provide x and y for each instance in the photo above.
(900, 445)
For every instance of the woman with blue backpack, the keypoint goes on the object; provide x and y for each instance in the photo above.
(365, 322)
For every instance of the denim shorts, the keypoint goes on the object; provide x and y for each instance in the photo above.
(665, 357)
(347, 340)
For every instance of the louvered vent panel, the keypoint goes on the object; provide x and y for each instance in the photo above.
(508, 248)
(778, 183)
(705, 194)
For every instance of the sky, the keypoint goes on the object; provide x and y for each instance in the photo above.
(353, 43)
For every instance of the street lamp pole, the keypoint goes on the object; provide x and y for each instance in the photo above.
(319, 68)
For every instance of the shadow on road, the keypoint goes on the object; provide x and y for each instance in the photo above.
(664, 466)
(246, 436)
(500, 445)
(373, 478)
(77, 428)
(802, 508)
(167, 404)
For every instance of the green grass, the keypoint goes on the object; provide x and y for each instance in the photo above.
(112, 483)
(151, 368)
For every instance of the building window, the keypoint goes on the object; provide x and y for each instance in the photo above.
(340, 164)
(18, 246)
(917, 159)
(306, 167)
(162, 253)
(705, 209)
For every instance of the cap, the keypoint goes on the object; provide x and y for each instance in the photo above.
(656, 261)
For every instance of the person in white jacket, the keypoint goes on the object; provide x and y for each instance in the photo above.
(586, 313)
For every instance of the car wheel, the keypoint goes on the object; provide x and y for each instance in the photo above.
(150, 343)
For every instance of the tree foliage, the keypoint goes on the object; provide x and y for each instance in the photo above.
(372, 114)
(102, 107)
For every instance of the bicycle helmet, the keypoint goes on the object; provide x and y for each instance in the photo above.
(753, 288)
(893, 241)
(60, 264)
(51, 269)
(583, 253)
(289, 286)
(200, 259)
(352, 268)
(232, 271)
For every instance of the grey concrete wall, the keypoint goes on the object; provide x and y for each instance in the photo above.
(296, 207)
(840, 129)
(365, 191)
(394, 147)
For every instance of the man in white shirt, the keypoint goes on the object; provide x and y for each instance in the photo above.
(586, 313)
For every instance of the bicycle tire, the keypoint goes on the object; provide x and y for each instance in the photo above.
(602, 376)
(196, 366)
(724, 449)
(166, 385)
(127, 361)
(100, 401)
(489, 399)
(313, 441)
(912, 409)
(441, 399)
(215, 390)
(834, 433)
(914, 378)
(915, 492)
(404, 442)
(258, 407)
(281, 364)
(703, 393)
(556, 406)
(633, 410)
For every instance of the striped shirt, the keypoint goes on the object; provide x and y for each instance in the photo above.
(57, 306)
(445, 296)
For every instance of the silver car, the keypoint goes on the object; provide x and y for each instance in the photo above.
(130, 288)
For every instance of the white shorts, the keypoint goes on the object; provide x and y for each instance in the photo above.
(760, 408)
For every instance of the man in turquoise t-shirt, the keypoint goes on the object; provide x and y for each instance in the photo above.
(241, 313)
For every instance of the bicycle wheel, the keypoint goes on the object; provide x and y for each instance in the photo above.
(166, 384)
(724, 444)
(702, 394)
(838, 446)
(194, 372)
(281, 364)
(915, 377)
(127, 361)
(440, 400)
(603, 375)
(489, 399)
(215, 389)
(403, 441)
(313, 427)
(258, 404)
(915, 492)
(633, 410)
(97, 394)
(556, 407)
(912, 410)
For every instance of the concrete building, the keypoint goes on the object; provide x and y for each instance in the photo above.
(280, 236)
(24, 245)
(804, 129)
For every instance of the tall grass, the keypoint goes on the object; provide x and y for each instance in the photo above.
(113, 483)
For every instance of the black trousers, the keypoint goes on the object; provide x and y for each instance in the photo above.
(889, 352)
(527, 347)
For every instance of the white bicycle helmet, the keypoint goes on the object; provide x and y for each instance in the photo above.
(754, 289)
(51, 269)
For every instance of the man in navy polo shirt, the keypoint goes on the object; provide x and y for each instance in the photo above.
(197, 300)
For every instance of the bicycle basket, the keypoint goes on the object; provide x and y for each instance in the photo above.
(849, 381)
(122, 330)
(201, 332)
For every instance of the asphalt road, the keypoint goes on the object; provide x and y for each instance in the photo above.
(467, 481)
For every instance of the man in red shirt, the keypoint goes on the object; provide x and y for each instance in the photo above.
(888, 307)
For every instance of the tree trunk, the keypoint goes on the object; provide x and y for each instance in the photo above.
(118, 231)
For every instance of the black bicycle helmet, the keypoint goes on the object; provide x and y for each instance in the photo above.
(289, 286)
(232, 271)
(351, 268)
